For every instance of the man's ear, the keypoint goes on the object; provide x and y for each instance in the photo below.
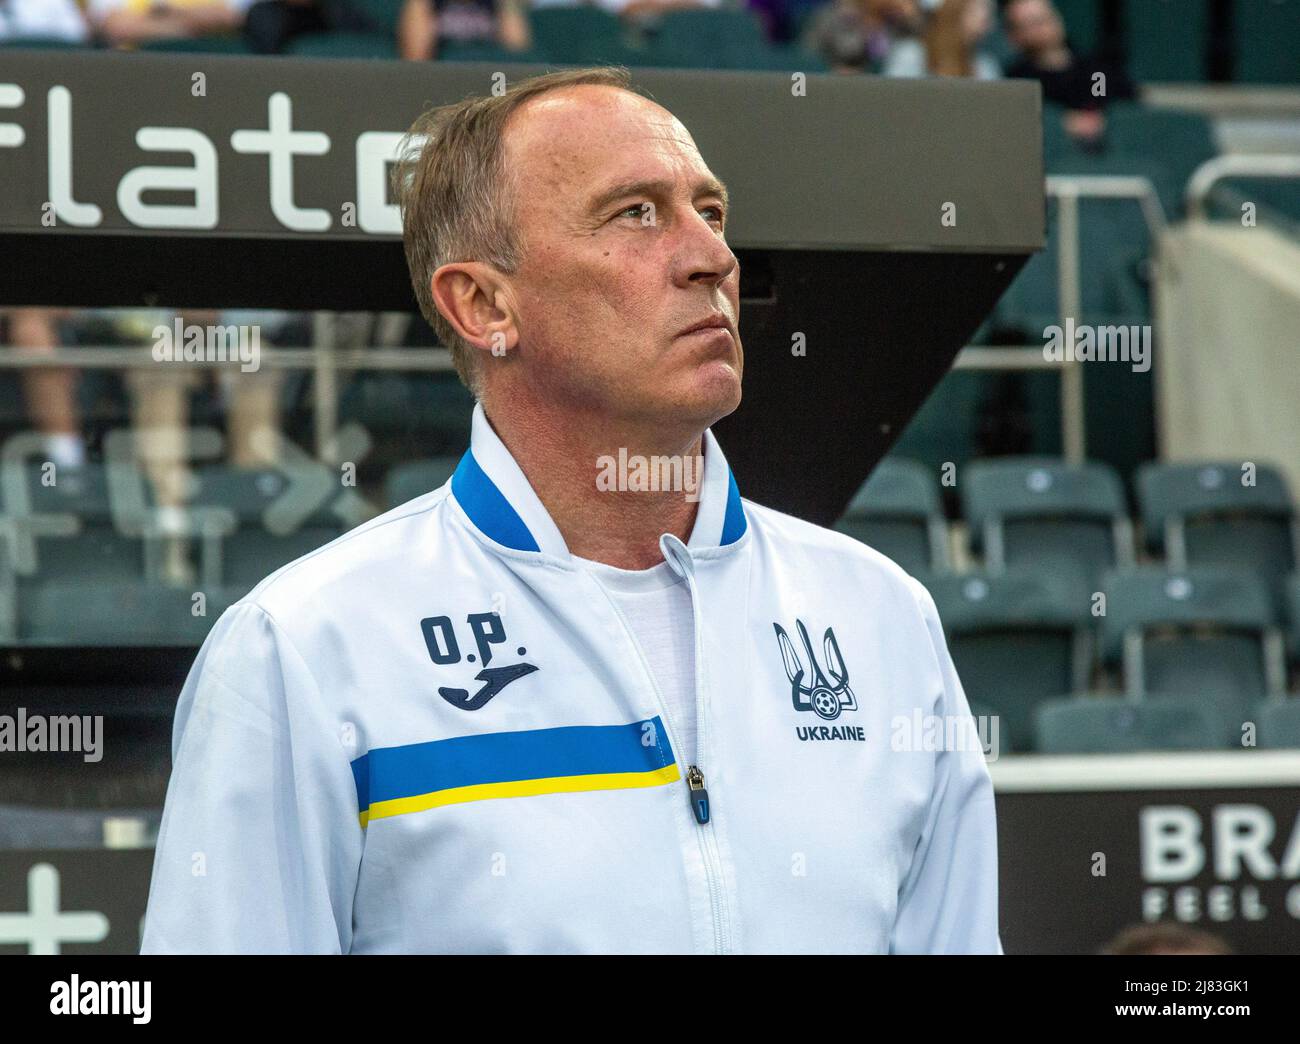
(475, 299)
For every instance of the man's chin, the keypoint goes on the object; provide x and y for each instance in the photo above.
(714, 393)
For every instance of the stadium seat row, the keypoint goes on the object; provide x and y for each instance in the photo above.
(1164, 41)
(1074, 522)
(1061, 604)
(1118, 725)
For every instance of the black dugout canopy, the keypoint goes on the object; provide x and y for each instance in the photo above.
(876, 221)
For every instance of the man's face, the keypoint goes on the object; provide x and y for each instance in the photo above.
(1034, 26)
(607, 286)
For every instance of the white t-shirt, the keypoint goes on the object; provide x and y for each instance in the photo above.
(53, 19)
(657, 606)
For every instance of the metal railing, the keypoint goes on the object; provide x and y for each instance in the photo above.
(1207, 176)
(1068, 190)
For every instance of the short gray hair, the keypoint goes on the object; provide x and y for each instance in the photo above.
(457, 201)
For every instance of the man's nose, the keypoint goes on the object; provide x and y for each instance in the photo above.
(705, 257)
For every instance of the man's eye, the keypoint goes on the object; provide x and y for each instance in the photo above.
(717, 210)
(636, 210)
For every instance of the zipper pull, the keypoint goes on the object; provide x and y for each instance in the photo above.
(698, 795)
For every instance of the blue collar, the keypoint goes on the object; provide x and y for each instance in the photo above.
(494, 493)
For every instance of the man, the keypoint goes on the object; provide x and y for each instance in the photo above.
(1165, 938)
(125, 23)
(1083, 84)
(949, 43)
(271, 25)
(551, 707)
(424, 25)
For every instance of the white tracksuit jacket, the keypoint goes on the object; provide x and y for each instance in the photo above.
(437, 734)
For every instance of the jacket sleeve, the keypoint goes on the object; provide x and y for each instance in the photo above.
(259, 846)
(948, 902)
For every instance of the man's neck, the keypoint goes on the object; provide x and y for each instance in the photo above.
(561, 456)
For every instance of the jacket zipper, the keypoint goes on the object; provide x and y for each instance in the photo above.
(697, 790)
(694, 776)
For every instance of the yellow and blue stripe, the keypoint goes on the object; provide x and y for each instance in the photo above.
(392, 781)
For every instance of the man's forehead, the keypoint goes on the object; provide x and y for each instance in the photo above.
(581, 104)
(587, 127)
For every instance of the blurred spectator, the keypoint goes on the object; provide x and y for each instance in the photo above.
(271, 24)
(1083, 84)
(424, 24)
(161, 400)
(126, 22)
(42, 19)
(856, 35)
(1165, 937)
(50, 392)
(779, 16)
(949, 43)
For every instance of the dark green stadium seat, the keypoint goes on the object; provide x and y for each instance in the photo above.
(1279, 723)
(1115, 725)
(706, 39)
(280, 514)
(435, 407)
(43, 43)
(1172, 144)
(780, 59)
(580, 35)
(452, 51)
(85, 541)
(116, 612)
(1082, 22)
(1112, 238)
(255, 554)
(1166, 40)
(1202, 514)
(1043, 514)
(383, 13)
(199, 45)
(1209, 631)
(1163, 145)
(899, 513)
(1226, 717)
(416, 478)
(1266, 35)
(344, 45)
(278, 499)
(8, 590)
(1016, 639)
